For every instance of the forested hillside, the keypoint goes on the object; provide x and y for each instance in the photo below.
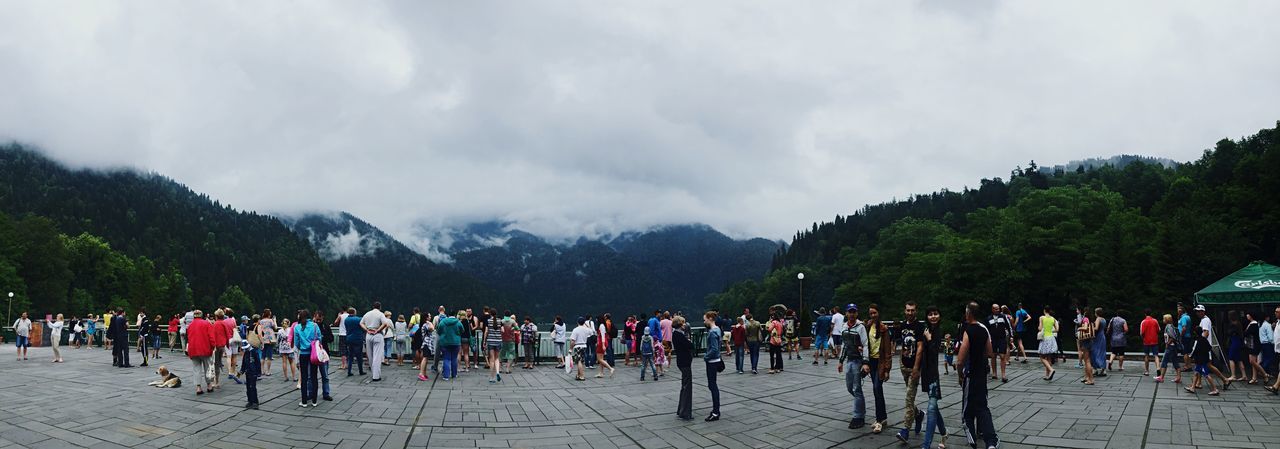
(151, 219)
(1144, 235)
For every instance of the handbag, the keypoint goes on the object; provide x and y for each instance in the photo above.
(719, 366)
(318, 354)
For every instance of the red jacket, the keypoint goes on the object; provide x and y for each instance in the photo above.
(200, 338)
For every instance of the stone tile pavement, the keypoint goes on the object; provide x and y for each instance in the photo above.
(87, 403)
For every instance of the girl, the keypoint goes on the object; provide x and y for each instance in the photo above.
(1085, 339)
(90, 329)
(1235, 346)
(775, 344)
(267, 332)
(464, 347)
(428, 340)
(949, 353)
(683, 352)
(602, 344)
(557, 337)
(1048, 327)
(1172, 346)
(1253, 345)
(284, 335)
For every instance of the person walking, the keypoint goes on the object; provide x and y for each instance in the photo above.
(306, 332)
(1236, 355)
(1173, 346)
(1086, 334)
(200, 349)
(777, 338)
(930, 381)
(1266, 340)
(174, 324)
(1275, 336)
(373, 324)
(1149, 332)
(660, 351)
(712, 358)
(268, 331)
(838, 326)
(1200, 355)
(558, 335)
(603, 347)
(1253, 346)
(911, 343)
(354, 341)
(578, 338)
(822, 335)
(251, 367)
(55, 337)
(1047, 333)
(850, 363)
(449, 334)
(880, 363)
(1021, 325)
(682, 349)
(493, 343)
(326, 342)
(222, 336)
(998, 325)
(975, 350)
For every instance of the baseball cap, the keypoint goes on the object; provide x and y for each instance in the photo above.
(1199, 307)
(851, 308)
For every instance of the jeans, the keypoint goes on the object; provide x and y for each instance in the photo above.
(877, 390)
(933, 416)
(754, 347)
(685, 407)
(976, 415)
(388, 346)
(775, 357)
(375, 346)
(608, 351)
(738, 357)
(853, 382)
(910, 412)
(450, 354)
(355, 356)
(715, 389)
(324, 378)
(309, 374)
(251, 387)
(646, 361)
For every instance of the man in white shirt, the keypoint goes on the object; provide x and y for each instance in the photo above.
(342, 334)
(579, 338)
(22, 328)
(837, 328)
(182, 328)
(374, 323)
(1206, 326)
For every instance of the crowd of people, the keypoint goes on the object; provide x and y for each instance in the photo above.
(222, 347)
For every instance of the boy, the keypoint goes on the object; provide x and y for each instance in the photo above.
(1200, 355)
(251, 368)
(949, 351)
(646, 355)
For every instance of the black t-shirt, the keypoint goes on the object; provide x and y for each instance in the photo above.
(977, 356)
(929, 366)
(909, 333)
(998, 326)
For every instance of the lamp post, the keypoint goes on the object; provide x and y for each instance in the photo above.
(800, 277)
(9, 314)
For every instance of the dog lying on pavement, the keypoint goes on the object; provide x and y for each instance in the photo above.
(167, 379)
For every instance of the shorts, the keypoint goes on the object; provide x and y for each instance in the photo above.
(822, 342)
(155, 342)
(494, 346)
(835, 340)
(579, 354)
(1118, 351)
(950, 359)
(1151, 350)
(23, 342)
(1187, 342)
(1171, 357)
(267, 350)
(999, 346)
(508, 350)
(791, 339)
(1202, 369)
(232, 350)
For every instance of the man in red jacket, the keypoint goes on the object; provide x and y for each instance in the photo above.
(200, 343)
(1150, 332)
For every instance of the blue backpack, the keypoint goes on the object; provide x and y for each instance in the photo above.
(646, 345)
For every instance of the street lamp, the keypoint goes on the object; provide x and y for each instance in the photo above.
(800, 277)
(9, 314)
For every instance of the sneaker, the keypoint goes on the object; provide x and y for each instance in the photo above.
(422, 377)
(313, 404)
(328, 398)
(1159, 379)
(302, 404)
(856, 423)
(877, 427)
(903, 435)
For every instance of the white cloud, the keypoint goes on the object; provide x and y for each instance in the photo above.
(575, 118)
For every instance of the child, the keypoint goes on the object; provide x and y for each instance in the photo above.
(1200, 355)
(251, 368)
(646, 355)
(949, 351)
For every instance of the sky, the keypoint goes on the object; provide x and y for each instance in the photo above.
(587, 118)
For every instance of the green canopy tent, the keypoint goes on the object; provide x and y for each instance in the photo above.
(1255, 284)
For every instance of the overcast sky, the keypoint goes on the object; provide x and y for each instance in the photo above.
(587, 117)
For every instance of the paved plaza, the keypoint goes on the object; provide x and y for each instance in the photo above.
(87, 403)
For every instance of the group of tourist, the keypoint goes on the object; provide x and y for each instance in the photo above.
(220, 346)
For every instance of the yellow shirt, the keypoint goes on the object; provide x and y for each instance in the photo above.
(415, 319)
(1046, 326)
(873, 339)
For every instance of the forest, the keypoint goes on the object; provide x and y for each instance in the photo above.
(1124, 237)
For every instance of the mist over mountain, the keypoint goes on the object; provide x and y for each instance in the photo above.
(671, 266)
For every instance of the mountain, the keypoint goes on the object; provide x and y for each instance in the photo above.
(1118, 162)
(192, 239)
(668, 267)
(1125, 234)
(382, 268)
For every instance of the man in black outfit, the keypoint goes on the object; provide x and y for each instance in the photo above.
(971, 363)
(999, 329)
(682, 347)
(118, 331)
